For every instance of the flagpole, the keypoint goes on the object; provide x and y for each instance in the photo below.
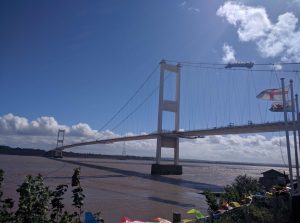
(287, 136)
(294, 134)
(298, 123)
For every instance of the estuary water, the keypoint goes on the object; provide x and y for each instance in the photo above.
(125, 187)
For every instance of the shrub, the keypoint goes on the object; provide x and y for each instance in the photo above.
(78, 195)
(211, 201)
(242, 187)
(6, 214)
(37, 203)
(274, 209)
(57, 214)
(33, 200)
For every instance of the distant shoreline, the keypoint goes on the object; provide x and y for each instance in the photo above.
(7, 150)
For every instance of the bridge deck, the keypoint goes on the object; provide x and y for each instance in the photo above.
(242, 129)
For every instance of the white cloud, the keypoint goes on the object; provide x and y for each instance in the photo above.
(11, 124)
(276, 66)
(185, 5)
(44, 126)
(281, 39)
(297, 2)
(228, 54)
(41, 133)
(193, 9)
(253, 148)
(82, 129)
(252, 22)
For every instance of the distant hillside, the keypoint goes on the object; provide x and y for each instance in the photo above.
(21, 151)
(38, 152)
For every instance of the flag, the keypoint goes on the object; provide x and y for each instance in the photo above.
(273, 94)
(278, 107)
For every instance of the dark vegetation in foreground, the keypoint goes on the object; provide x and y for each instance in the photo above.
(245, 201)
(37, 203)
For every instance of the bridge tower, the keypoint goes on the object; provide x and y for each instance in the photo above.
(60, 142)
(169, 106)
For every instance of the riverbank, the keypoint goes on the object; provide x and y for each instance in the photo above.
(125, 187)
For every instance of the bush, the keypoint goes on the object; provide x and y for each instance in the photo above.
(234, 216)
(211, 201)
(273, 209)
(37, 203)
(6, 204)
(33, 200)
(242, 187)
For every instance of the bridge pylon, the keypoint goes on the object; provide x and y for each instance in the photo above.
(169, 106)
(58, 153)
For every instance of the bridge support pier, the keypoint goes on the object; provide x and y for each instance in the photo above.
(166, 169)
(58, 154)
(169, 106)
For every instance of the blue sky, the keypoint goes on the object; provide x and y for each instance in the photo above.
(75, 63)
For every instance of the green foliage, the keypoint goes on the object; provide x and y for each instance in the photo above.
(197, 214)
(77, 191)
(274, 209)
(231, 194)
(33, 201)
(242, 187)
(238, 215)
(58, 215)
(38, 204)
(257, 213)
(211, 200)
(76, 177)
(260, 214)
(6, 214)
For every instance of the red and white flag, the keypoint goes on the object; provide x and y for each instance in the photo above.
(278, 107)
(273, 94)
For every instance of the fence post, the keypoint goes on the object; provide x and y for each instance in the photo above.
(176, 217)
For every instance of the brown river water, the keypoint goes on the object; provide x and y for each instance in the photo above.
(125, 187)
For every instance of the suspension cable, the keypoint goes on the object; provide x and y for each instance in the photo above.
(137, 108)
(130, 99)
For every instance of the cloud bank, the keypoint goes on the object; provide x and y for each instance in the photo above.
(280, 39)
(41, 133)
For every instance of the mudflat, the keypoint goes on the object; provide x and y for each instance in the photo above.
(125, 187)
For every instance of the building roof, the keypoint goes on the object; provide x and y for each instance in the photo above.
(272, 171)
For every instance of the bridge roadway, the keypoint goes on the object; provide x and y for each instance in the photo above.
(241, 129)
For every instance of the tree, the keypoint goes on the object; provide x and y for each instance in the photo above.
(211, 200)
(77, 191)
(242, 187)
(33, 200)
(6, 214)
(58, 215)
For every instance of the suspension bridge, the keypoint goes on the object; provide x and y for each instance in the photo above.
(170, 138)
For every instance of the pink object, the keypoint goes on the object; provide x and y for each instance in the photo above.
(128, 220)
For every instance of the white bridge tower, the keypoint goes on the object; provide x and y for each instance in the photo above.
(60, 142)
(169, 106)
